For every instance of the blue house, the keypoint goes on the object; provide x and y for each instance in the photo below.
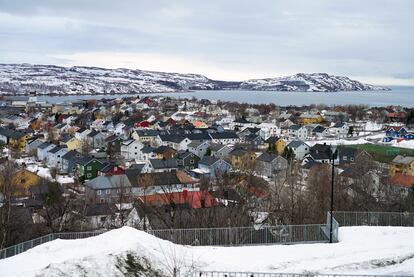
(396, 132)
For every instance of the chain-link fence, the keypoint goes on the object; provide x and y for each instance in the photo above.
(374, 218)
(232, 236)
(24, 246)
(260, 274)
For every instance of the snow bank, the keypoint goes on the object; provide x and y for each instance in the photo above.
(361, 250)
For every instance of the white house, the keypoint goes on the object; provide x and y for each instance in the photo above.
(225, 138)
(340, 129)
(54, 156)
(297, 132)
(299, 148)
(131, 150)
(198, 148)
(43, 149)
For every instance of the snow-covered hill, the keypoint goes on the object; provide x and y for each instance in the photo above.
(49, 79)
(308, 82)
(361, 250)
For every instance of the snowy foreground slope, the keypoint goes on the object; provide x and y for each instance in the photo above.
(368, 250)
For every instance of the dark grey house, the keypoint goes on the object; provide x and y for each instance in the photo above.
(271, 165)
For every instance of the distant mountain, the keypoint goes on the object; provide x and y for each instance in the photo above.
(50, 79)
(308, 82)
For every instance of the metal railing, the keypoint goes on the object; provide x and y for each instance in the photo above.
(262, 274)
(335, 227)
(24, 246)
(233, 236)
(345, 218)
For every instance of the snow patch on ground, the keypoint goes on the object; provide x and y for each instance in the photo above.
(361, 250)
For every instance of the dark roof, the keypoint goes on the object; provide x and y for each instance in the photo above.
(199, 136)
(321, 148)
(208, 160)
(224, 135)
(267, 157)
(295, 144)
(93, 133)
(339, 124)
(295, 127)
(172, 138)
(272, 139)
(319, 129)
(44, 145)
(57, 149)
(157, 179)
(72, 154)
(168, 163)
(100, 209)
(147, 133)
(11, 133)
(237, 152)
(162, 149)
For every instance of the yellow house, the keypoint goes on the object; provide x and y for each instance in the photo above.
(242, 159)
(403, 165)
(308, 118)
(18, 141)
(23, 180)
(275, 144)
(73, 144)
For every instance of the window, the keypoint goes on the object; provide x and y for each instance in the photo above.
(88, 175)
(191, 161)
(108, 191)
(344, 158)
(102, 200)
(89, 167)
(99, 192)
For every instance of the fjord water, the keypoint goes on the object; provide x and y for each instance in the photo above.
(399, 95)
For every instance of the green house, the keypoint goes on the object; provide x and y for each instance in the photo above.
(88, 168)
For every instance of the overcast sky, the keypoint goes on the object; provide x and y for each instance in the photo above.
(371, 40)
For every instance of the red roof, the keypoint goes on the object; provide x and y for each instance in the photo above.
(193, 198)
(400, 179)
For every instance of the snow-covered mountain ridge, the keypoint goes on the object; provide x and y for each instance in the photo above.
(17, 79)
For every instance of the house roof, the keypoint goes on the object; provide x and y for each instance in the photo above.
(168, 163)
(272, 139)
(108, 182)
(267, 157)
(216, 146)
(163, 149)
(402, 180)
(100, 209)
(224, 135)
(72, 154)
(209, 160)
(295, 127)
(148, 133)
(404, 160)
(318, 129)
(196, 143)
(237, 152)
(296, 144)
(57, 149)
(339, 125)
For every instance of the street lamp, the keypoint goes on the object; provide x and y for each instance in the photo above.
(333, 157)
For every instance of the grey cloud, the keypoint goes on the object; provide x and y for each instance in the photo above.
(351, 37)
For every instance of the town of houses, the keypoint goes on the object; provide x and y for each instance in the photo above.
(120, 156)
